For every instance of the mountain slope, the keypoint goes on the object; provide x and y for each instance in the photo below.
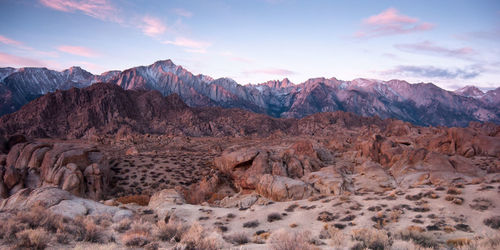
(421, 104)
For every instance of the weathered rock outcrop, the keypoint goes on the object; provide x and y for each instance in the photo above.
(61, 202)
(77, 168)
(247, 166)
(280, 188)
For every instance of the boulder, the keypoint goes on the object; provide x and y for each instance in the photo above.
(246, 166)
(161, 202)
(239, 200)
(61, 202)
(280, 188)
(327, 181)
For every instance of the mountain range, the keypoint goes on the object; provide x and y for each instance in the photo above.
(421, 104)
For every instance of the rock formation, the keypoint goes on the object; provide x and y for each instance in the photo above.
(77, 168)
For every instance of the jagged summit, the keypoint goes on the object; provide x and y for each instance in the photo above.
(421, 103)
(470, 91)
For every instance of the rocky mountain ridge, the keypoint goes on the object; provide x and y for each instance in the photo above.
(421, 104)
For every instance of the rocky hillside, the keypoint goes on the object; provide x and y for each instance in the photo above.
(421, 104)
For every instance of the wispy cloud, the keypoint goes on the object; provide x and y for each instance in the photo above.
(183, 12)
(18, 61)
(270, 71)
(190, 45)
(101, 9)
(432, 72)
(432, 48)
(78, 50)
(153, 26)
(11, 42)
(391, 22)
(20, 45)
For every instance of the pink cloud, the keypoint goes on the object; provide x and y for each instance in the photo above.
(100, 9)
(192, 46)
(18, 61)
(77, 50)
(152, 26)
(391, 22)
(430, 47)
(183, 12)
(270, 71)
(8, 41)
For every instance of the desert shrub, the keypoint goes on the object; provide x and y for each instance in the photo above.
(406, 245)
(251, 224)
(238, 239)
(371, 238)
(90, 231)
(273, 217)
(481, 204)
(139, 199)
(458, 242)
(291, 208)
(138, 235)
(122, 226)
(418, 236)
(493, 222)
(337, 237)
(195, 238)
(284, 240)
(168, 231)
(32, 238)
(454, 191)
(136, 238)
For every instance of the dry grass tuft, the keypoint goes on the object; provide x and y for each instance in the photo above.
(371, 238)
(172, 230)
(418, 236)
(238, 239)
(284, 240)
(138, 236)
(33, 239)
(195, 238)
(458, 242)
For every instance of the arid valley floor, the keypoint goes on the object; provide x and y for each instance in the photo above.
(279, 192)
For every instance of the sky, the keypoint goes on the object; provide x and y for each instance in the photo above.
(451, 43)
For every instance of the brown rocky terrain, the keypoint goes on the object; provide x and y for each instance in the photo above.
(142, 170)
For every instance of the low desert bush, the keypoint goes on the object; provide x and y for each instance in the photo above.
(195, 238)
(122, 226)
(238, 239)
(32, 239)
(459, 242)
(251, 224)
(337, 237)
(91, 231)
(168, 231)
(418, 236)
(454, 191)
(273, 217)
(493, 222)
(138, 235)
(139, 199)
(284, 240)
(372, 238)
(407, 245)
